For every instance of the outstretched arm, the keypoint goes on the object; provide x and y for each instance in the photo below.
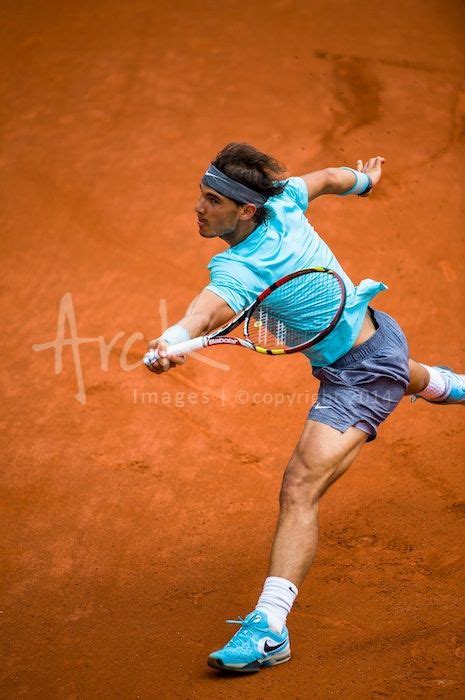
(205, 313)
(341, 180)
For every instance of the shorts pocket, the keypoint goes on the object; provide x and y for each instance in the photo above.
(331, 375)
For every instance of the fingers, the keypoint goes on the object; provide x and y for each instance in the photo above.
(163, 363)
(371, 163)
(375, 163)
(153, 367)
(177, 359)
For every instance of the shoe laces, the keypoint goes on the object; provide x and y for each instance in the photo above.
(243, 633)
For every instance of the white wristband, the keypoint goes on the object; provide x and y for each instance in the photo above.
(362, 184)
(175, 334)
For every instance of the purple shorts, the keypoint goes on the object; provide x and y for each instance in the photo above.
(363, 387)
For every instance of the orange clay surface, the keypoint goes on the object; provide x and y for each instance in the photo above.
(134, 525)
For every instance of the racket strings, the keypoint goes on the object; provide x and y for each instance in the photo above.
(297, 311)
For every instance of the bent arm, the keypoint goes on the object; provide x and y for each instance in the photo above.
(328, 181)
(341, 180)
(205, 313)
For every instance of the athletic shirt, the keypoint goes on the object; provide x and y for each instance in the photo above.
(285, 243)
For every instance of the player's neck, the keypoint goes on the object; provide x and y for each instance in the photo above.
(240, 233)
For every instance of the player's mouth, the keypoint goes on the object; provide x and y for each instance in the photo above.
(201, 222)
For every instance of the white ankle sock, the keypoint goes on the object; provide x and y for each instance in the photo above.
(276, 600)
(436, 387)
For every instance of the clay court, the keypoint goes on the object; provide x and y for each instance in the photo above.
(138, 510)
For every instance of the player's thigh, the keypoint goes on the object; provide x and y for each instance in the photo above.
(321, 442)
(321, 455)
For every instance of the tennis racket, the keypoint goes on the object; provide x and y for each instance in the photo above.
(294, 313)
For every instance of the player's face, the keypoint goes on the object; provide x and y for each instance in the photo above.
(216, 215)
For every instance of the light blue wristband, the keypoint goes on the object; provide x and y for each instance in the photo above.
(363, 183)
(175, 334)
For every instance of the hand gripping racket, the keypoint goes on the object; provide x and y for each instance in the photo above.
(293, 314)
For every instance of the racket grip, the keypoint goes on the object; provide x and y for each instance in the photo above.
(177, 349)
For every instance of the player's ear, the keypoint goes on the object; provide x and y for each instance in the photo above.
(248, 212)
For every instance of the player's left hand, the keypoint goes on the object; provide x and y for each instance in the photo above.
(372, 168)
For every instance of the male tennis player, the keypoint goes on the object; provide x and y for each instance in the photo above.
(363, 365)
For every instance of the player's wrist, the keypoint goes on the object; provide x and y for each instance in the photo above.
(368, 188)
(362, 185)
(175, 334)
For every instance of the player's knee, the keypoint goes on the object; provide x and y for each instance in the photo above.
(305, 481)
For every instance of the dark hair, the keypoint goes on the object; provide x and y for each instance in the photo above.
(252, 168)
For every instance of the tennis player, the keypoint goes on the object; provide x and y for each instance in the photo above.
(363, 365)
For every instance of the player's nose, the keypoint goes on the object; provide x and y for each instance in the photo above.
(199, 207)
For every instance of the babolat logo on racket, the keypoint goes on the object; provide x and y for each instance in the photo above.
(232, 341)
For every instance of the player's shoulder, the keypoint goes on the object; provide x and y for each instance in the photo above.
(295, 191)
(226, 260)
(237, 268)
(231, 261)
(223, 256)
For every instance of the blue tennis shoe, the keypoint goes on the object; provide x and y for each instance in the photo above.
(455, 387)
(254, 645)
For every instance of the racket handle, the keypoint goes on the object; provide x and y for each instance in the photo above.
(177, 349)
